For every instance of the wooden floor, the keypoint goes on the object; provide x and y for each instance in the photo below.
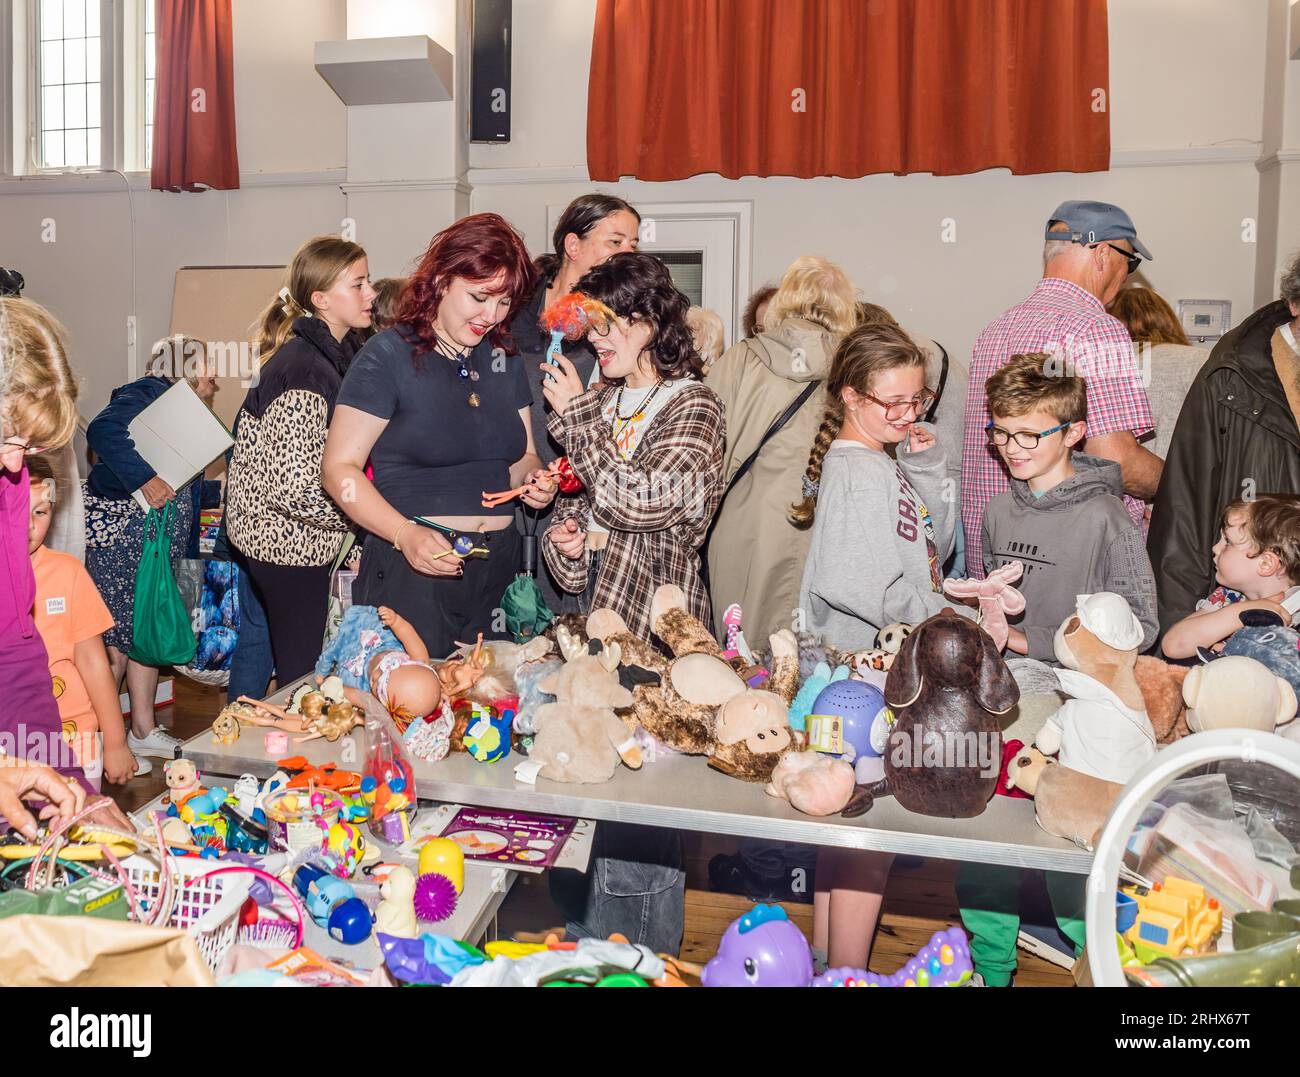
(920, 899)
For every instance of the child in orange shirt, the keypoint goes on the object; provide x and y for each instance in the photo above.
(70, 616)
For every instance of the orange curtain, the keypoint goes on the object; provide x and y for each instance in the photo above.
(847, 87)
(194, 97)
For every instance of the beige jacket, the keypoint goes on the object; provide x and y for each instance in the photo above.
(756, 556)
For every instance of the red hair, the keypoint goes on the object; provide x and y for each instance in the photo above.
(477, 248)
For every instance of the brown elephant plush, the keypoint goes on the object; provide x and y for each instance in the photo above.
(696, 703)
(946, 688)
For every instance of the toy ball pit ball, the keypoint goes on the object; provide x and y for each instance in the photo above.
(857, 703)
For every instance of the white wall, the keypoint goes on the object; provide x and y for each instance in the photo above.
(287, 121)
(1187, 85)
(286, 118)
(1183, 74)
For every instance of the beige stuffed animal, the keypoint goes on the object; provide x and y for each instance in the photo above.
(579, 738)
(813, 782)
(697, 703)
(1236, 692)
(1103, 730)
(1067, 803)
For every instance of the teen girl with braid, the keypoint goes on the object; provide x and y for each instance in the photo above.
(881, 528)
(882, 521)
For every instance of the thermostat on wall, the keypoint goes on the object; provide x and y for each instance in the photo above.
(1205, 320)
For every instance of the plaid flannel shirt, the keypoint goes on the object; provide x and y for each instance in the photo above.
(657, 505)
(1071, 324)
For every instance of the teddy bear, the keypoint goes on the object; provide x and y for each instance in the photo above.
(696, 703)
(1236, 692)
(813, 782)
(579, 738)
(1067, 803)
(1103, 730)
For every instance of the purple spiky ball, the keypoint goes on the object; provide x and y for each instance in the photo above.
(435, 897)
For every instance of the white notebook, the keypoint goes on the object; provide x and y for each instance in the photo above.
(178, 436)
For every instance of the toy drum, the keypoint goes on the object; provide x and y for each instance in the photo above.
(290, 823)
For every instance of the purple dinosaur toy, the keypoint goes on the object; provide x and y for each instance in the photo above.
(764, 949)
(943, 962)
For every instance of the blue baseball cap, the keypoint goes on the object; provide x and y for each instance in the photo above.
(1094, 222)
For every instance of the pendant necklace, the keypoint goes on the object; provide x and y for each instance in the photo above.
(464, 371)
(621, 421)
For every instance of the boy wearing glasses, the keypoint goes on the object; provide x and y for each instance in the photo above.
(1063, 516)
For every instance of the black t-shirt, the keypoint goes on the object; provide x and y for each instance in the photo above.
(438, 454)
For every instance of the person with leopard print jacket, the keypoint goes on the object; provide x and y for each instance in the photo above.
(284, 527)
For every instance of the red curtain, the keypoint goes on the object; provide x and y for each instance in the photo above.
(194, 97)
(847, 87)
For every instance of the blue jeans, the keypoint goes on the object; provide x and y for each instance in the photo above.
(252, 666)
(636, 886)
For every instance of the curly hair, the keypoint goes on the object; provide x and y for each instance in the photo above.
(638, 287)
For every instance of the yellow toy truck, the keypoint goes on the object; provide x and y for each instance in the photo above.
(1174, 918)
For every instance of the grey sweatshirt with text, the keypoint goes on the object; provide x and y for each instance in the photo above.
(1077, 539)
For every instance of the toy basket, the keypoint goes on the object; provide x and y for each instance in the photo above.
(207, 905)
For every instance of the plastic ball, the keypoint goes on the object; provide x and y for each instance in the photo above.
(857, 704)
(349, 922)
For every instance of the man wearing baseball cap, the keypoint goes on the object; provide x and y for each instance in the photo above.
(1090, 250)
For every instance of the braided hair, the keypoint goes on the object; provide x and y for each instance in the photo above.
(865, 352)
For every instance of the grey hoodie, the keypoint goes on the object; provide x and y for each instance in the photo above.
(1077, 539)
(869, 563)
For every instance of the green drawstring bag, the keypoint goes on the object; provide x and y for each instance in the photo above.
(161, 631)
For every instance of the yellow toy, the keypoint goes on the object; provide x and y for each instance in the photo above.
(1175, 917)
(442, 856)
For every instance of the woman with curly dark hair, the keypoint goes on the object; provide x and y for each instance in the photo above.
(647, 444)
(440, 408)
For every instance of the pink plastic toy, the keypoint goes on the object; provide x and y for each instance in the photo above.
(997, 598)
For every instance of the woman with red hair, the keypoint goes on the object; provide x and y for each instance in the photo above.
(441, 409)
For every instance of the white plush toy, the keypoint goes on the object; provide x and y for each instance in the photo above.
(1103, 730)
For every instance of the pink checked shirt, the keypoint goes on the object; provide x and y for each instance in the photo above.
(1071, 324)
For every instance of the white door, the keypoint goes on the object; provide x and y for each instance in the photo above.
(707, 248)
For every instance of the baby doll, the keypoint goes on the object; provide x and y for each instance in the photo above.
(378, 651)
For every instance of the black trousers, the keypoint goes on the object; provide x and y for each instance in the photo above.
(296, 601)
(443, 610)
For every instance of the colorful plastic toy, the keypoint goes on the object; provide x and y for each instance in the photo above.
(943, 962)
(764, 949)
(442, 856)
(761, 949)
(1175, 917)
(857, 705)
(435, 898)
(487, 737)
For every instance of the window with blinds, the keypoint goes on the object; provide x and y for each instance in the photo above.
(687, 268)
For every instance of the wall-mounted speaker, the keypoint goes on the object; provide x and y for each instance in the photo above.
(490, 71)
